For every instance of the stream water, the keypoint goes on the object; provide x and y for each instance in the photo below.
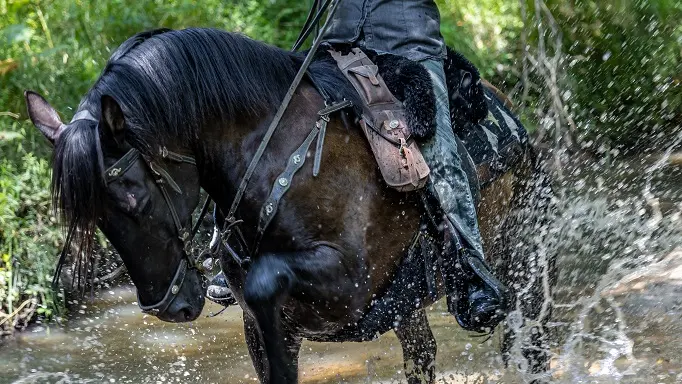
(618, 234)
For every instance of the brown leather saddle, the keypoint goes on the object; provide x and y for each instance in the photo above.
(383, 122)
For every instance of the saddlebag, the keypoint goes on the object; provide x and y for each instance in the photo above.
(383, 122)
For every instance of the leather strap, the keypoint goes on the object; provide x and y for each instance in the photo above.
(171, 293)
(322, 125)
(409, 162)
(282, 184)
(164, 177)
(202, 214)
(311, 22)
(83, 114)
(121, 166)
(276, 119)
(178, 158)
(380, 132)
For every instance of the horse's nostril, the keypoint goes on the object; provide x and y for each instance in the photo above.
(187, 314)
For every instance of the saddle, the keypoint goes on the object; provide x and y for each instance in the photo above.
(384, 123)
(399, 108)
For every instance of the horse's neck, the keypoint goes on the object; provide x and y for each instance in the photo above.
(229, 148)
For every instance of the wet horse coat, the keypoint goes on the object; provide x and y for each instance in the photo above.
(337, 241)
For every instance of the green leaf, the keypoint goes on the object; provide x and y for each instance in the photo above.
(17, 33)
(8, 135)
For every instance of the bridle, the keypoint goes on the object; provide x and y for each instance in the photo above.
(162, 179)
(185, 234)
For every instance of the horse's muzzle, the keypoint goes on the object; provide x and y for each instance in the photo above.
(189, 302)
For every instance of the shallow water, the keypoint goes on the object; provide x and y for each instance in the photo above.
(619, 306)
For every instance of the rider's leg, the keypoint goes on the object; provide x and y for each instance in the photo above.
(483, 296)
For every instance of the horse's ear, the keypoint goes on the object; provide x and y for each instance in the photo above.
(43, 116)
(112, 122)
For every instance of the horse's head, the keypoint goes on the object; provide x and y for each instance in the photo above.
(135, 198)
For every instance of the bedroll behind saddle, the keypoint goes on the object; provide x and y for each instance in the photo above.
(384, 124)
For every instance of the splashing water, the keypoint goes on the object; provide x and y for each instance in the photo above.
(616, 317)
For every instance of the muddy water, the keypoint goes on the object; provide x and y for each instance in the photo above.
(618, 317)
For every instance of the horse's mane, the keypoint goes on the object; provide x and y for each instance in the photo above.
(169, 83)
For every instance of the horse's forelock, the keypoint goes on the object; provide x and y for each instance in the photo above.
(78, 183)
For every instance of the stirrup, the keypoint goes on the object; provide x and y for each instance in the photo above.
(219, 292)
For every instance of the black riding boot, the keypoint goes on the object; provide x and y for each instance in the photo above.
(478, 300)
(219, 292)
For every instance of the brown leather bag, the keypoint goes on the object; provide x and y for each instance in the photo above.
(383, 121)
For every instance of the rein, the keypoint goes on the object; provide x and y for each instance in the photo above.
(231, 225)
(278, 116)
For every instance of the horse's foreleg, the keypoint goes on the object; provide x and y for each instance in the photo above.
(419, 348)
(256, 347)
(267, 286)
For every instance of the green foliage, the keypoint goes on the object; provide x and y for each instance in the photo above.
(484, 31)
(29, 238)
(623, 68)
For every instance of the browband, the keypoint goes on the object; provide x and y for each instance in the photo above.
(83, 114)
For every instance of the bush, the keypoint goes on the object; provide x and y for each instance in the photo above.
(29, 240)
(624, 70)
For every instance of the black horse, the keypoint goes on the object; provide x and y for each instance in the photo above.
(176, 111)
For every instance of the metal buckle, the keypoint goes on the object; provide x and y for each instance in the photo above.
(403, 145)
(151, 167)
(115, 172)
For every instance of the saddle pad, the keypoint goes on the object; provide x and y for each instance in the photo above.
(496, 143)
